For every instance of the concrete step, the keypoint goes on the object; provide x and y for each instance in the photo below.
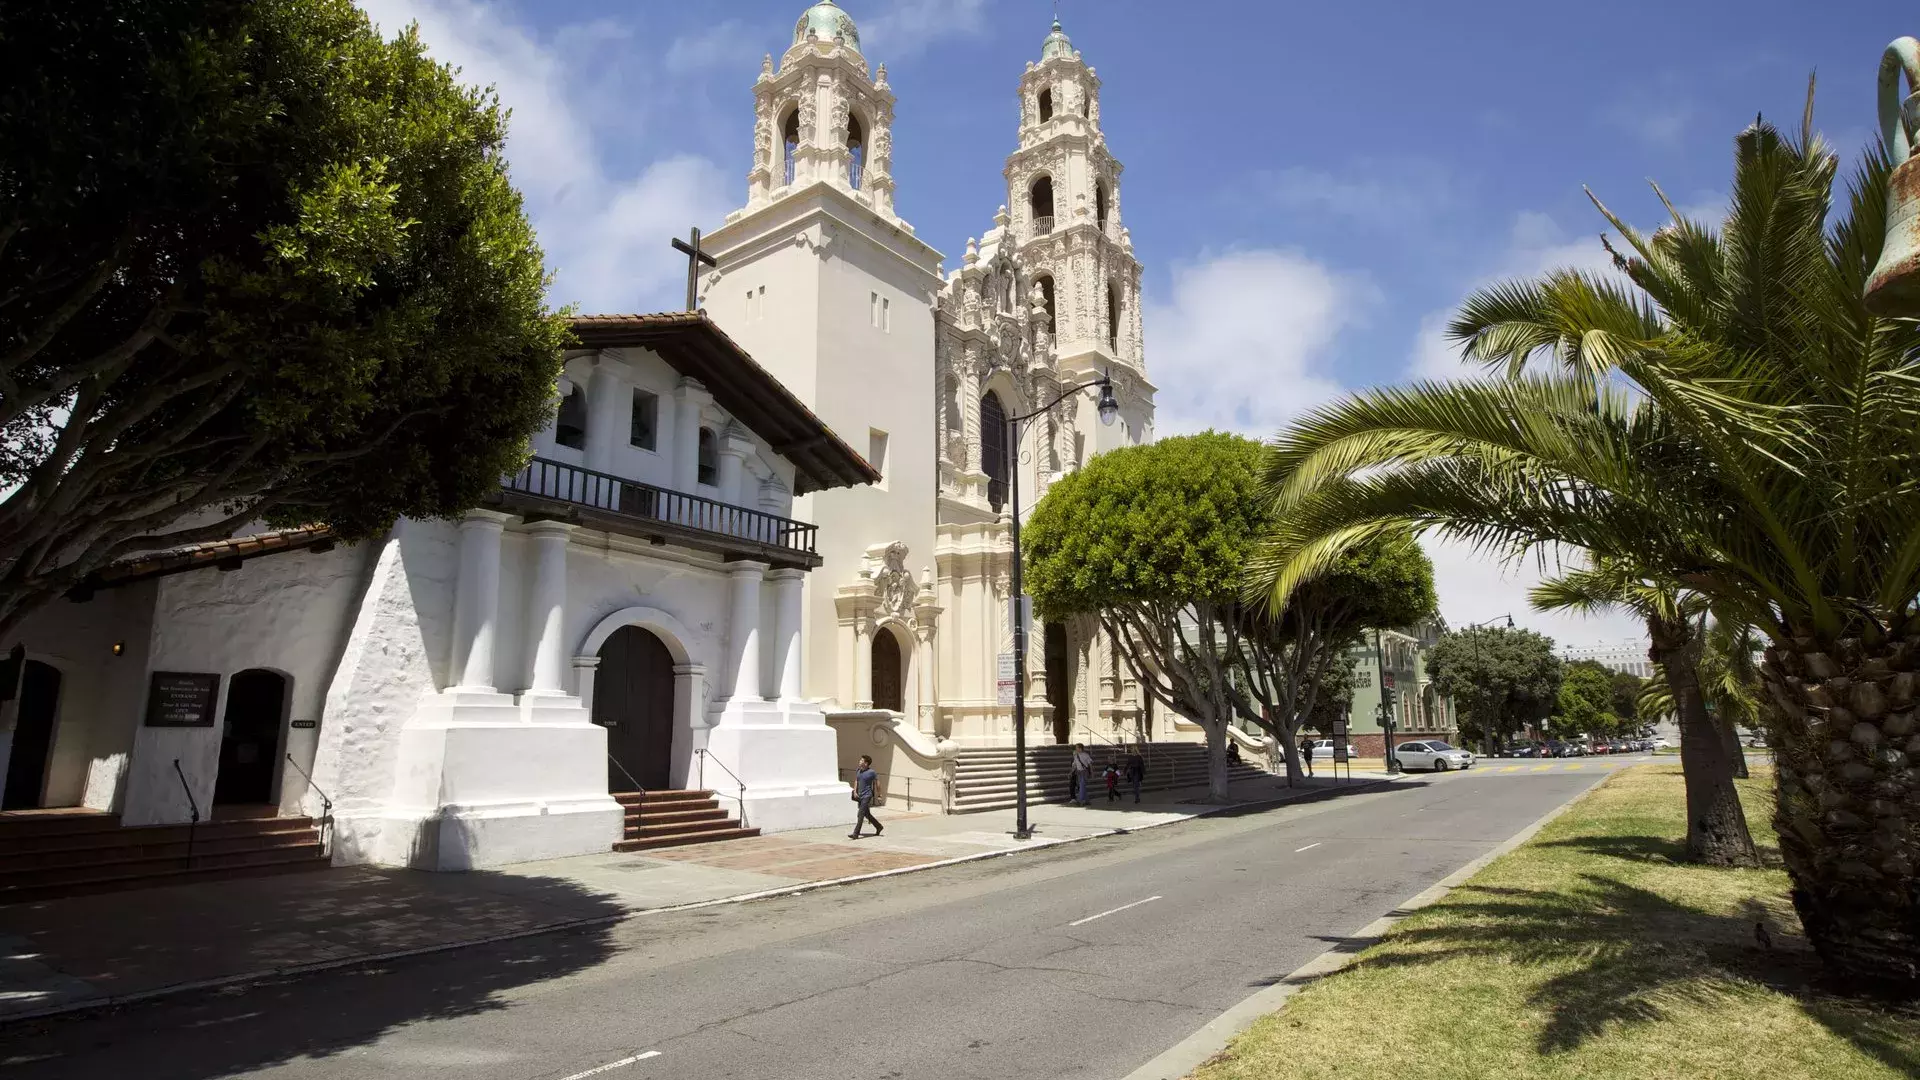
(682, 839)
(41, 883)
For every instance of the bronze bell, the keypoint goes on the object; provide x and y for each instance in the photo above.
(1893, 290)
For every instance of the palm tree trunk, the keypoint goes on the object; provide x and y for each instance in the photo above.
(1847, 803)
(1716, 825)
(1735, 752)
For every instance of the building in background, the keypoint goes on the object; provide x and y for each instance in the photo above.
(1418, 712)
(1627, 657)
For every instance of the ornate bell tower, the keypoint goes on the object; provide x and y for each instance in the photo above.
(822, 118)
(1063, 185)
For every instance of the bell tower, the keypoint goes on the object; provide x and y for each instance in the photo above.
(1064, 187)
(822, 117)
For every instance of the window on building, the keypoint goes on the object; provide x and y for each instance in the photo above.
(1100, 204)
(790, 143)
(993, 449)
(570, 426)
(856, 151)
(880, 312)
(1113, 318)
(643, 429)
(1040, 201)
(1046, 297)
(1046, 104)
(756, 303)
(877, 453)
(709, 471)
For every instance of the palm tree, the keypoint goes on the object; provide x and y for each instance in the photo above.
(1730, 416)
(1716, 825)
(1729, 680)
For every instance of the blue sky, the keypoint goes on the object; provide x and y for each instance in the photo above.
(1310, 187)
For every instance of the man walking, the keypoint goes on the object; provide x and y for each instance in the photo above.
(1306, 755)
(1082, 769)
(1136, 770)
(863, 778)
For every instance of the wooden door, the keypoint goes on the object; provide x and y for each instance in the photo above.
(32, 737)
(888, 693)
(250, 738)
(633, 700)
(1059, 671)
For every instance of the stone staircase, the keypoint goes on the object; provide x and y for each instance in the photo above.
(49, 854)
(984, 779)
(660, 819)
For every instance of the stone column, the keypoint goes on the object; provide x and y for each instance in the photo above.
(476, 601)
(743, 634)
(609, 417)
(547, 608)
(862, 663)
(688, 401)
(584, 669)
(734, 449)
(787, 612)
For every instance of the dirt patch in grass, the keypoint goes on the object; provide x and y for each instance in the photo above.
(1590, 952)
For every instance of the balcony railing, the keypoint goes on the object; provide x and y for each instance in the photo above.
(659, 511)
(1042, 226)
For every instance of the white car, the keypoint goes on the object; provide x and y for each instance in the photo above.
(1432, 754)
(1323, 751)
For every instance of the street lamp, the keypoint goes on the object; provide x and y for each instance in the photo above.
(1109, 408)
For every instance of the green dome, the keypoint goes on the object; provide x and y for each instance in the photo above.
(826, 21)
(1056, 44)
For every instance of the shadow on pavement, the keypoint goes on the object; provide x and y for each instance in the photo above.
(236, 1029)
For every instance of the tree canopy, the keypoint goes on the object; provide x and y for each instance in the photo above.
(1584, 703)
(1500, 679)
(255, 263)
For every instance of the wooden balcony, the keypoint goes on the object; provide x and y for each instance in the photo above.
(555, 490)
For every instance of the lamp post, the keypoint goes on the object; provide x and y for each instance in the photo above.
(1481, 625)
(1109, 408)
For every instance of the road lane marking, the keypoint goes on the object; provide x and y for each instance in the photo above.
(1575, 766)
(1088, 919)
(612, 1065)
(1543, 768)
(1510, 768)
(1309, 847)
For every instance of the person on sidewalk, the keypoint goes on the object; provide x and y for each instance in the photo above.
(1112, 777)
(1136, 770)
(1082, 769)
(863, 778)
(1306, 755)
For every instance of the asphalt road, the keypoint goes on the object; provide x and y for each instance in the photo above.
(1085, 960)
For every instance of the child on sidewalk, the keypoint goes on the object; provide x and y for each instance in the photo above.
(1113, 781)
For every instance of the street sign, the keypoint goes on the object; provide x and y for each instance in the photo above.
(1341, 753)
(1006, 682)
(1386, 679)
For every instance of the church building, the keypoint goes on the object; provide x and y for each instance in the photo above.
(758, 539)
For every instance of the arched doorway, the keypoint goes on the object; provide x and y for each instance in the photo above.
(888, 691)
(1059, 694)
(32, 736)
(250, 738)
(633, 700)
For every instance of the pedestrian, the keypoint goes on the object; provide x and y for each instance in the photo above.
(1306, 755)
(1082, 769)
(863, 778)
(1112, 776)
(1233, 753)
(1136, 769)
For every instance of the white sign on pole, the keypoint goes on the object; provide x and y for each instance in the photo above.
(1006, 681)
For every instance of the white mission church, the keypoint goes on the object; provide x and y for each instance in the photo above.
(757, 541)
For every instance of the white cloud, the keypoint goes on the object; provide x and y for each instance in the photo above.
(728, 46)
(606, 236)
(1238, 346)
(1476, 587)
(1370, 193)
(908, 26)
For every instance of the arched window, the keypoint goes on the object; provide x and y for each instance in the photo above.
(993, 449)
(1113, 317)
(1046, 104)
(790, 143)
(1040, 201)
(709, 472)
(1100, 204)
(856, 151)
(1046, 296)
(570, 426)
(888, 692)
(1086, 104)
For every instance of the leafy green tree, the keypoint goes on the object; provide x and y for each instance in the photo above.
(1729, 416)
(1152, 540)
(1584, 705)
(1337, 680)
(1500, 679)
(1625, 702)
(1281, 664)
(255, 263)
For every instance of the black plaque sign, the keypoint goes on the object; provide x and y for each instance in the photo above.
(182, 699)
(304, 724)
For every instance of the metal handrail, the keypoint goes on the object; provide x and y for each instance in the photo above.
(704, 754)
(326, 808)
(885, 787)
(647, 502)
(638, 789)
(1043, 225)
(193, 807)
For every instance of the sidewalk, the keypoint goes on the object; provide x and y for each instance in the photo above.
(87, 951)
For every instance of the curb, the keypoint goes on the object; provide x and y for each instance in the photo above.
(1195, 1050)
(101, 1004)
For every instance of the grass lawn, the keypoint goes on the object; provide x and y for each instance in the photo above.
(1589, 953)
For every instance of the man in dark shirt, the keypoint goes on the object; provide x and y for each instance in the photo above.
(1135, 770)
(863, 778)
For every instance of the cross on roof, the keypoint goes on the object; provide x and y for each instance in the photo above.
(695, 257)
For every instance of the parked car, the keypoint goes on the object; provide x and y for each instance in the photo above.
(1433, 754)
(1526, 750)
(1323, 751)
